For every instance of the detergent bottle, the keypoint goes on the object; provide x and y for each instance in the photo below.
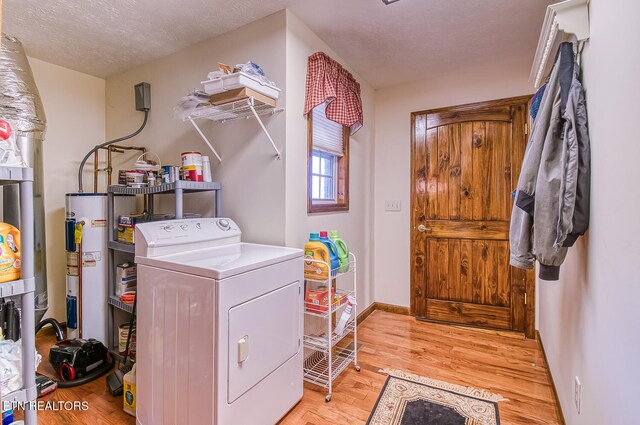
(129, 399)
(10, 265)
(316, 250)
(343, 250)
(333, 252)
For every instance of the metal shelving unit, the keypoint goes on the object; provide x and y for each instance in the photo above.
(240, 109)
(330, 356)
(178, 188)
(24, 288)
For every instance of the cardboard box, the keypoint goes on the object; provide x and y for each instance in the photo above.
(317, 301)
(126, 271)
(125, 234)
(126, 227)
(239, 94)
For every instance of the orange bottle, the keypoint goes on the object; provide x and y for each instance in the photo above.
(316, 250)
(10, 266)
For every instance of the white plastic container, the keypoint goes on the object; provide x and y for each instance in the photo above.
(206, 169)
(214, 86)
(238, 80)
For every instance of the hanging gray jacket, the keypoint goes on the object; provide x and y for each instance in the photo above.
(552, 200)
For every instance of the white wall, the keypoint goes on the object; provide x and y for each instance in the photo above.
(355, 226)
(252, 179)
(393, 107)
(589, 319)
(74, 105)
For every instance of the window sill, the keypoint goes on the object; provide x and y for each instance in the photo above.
(325, 208)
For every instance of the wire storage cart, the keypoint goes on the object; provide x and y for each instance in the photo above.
(24, 288)
(331, 350)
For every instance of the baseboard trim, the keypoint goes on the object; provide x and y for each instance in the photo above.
(366, 312)
(389, 308)
(553, 384)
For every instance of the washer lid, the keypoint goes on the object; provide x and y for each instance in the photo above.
(223, 261)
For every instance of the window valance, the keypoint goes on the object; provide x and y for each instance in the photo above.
(328, 81)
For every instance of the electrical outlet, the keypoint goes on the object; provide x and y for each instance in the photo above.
(392, 205)
(577, 393)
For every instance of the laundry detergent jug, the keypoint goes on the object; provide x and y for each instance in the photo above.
(333, 252)
(9, 253)
(316, 250)
(343, 250)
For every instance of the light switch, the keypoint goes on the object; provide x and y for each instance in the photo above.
(392, 205)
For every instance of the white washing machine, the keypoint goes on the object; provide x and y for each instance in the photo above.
(219, 326)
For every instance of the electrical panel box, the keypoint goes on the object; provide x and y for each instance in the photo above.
(143, 96)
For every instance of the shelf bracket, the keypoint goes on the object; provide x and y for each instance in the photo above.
(207, 140)
(264, 129)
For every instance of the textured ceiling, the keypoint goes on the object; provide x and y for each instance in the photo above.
(413, 40)
(406, 41)
(103, 37)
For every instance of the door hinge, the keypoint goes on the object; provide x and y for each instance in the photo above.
(526, 129)
(525, 298)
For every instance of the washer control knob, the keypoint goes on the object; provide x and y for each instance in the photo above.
(223, 224)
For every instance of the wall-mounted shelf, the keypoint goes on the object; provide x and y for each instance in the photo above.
(245, 108)
(562, 22)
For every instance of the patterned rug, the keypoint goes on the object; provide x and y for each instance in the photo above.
(408, 399)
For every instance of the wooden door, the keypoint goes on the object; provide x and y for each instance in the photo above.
(465, 163)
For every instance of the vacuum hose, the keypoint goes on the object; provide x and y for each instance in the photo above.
(105, 144)
(87, 378)
(56, 326)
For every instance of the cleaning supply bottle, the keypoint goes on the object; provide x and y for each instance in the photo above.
(10, 264)
(316, 250)
(346, 315)
(343, 250)
(7, 416)
(129, 390)
(333, 252)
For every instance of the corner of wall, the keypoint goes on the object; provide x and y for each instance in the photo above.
(356, 225)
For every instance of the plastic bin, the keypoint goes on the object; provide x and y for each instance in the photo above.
(239, 80)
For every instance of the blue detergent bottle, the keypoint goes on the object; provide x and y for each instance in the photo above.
(333, 252)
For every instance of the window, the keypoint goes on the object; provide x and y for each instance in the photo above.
(328, 181)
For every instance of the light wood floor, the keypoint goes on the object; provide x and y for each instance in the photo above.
(501, 362)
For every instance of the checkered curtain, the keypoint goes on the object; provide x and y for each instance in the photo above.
(328, 81)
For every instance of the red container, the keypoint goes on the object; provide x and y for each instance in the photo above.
(192, 173)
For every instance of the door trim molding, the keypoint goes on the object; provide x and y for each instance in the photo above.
(476, 106)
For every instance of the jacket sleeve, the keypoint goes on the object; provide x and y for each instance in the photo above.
(580, 218)
(520, 235)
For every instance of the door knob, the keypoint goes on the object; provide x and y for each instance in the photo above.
(422, 228)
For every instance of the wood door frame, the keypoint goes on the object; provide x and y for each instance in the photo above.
(416, 291)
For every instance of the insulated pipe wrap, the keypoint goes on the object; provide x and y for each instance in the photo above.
(20, 104)
(19, 98)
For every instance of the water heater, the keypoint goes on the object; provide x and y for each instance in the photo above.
(86, 249)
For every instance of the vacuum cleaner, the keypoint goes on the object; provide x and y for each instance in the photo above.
(77, 361)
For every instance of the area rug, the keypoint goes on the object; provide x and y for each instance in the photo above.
(408, 399)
